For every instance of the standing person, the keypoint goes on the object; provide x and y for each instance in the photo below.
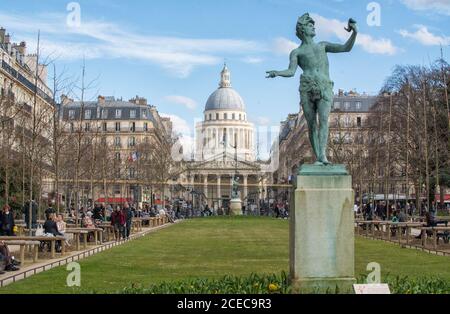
(49, 211)
(108, 212)
(7, 222)
(127, 213)
(98, 212)
(118, 222)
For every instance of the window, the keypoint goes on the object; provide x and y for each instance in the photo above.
(217, 116)
(87, 114)
(72, 129)
(103, 141)
(117, 126)
(240, 117)
(132, 114)
(117, 142)
(145, 126)
(87, 127)
(347, 121)
(358, 122)
(118, 113)
(117, 156)
(133, 127)
(337, 105)
(117, 189)
(132, 141)
(358, 105)
(225, 116)
(132, 173)
(104, 113)
(71, 114)
(210, 117)
(206, 117)
(104, 126)
(233, 117)
(347, 105)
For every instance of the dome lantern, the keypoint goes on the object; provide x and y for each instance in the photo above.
(225, 77)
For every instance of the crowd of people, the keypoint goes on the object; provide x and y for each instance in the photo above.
(381, 209)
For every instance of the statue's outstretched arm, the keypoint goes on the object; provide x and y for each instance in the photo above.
(289, 72)
(348, 46)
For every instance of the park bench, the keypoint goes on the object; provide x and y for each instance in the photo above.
(22, 245)
(136, 225)
(41, 239)
(97, 232)
(436, 233)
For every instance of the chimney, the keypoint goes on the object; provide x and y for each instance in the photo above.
(101, 100)
(341, 93)
(65, 100)
(7, 39)
(22, 48)
(2, 35)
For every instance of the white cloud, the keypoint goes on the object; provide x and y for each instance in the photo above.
(333, 27)
(252, 60)
(437, 6)
(425, 37)
(283, 46)
(181, 128)
(182, 100)
(97, 39)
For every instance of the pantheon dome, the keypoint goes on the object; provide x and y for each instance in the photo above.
(225, 98)
(225, 126)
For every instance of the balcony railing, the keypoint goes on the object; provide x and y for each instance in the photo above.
(22, 79)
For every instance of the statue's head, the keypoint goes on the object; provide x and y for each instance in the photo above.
(305, 27)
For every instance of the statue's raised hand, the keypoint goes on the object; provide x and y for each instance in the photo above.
(352, 26)
(271, 74)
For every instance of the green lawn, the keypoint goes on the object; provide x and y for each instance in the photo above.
(212, 248)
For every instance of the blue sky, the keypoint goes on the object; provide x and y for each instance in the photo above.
(172, 51)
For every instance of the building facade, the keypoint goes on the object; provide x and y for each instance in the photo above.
(121, 137)
(26, 114)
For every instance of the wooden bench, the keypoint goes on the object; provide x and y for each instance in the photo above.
(52, 241)
(98, 233)
(108, 229)
(23, 244)
(136, 225)
(437, 233)
(76, 237)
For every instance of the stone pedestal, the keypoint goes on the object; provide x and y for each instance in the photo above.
(322, 231)
(236, 207)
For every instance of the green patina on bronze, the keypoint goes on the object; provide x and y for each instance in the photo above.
(316, 87)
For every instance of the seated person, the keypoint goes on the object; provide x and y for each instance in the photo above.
(61, 224)
(7, 261)
(51, 228)
(88, 222)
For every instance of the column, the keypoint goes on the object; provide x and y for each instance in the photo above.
(192, 179)
(245, 187)
(231, 186)
(265, 188)
(219, 192)
(205, 186)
